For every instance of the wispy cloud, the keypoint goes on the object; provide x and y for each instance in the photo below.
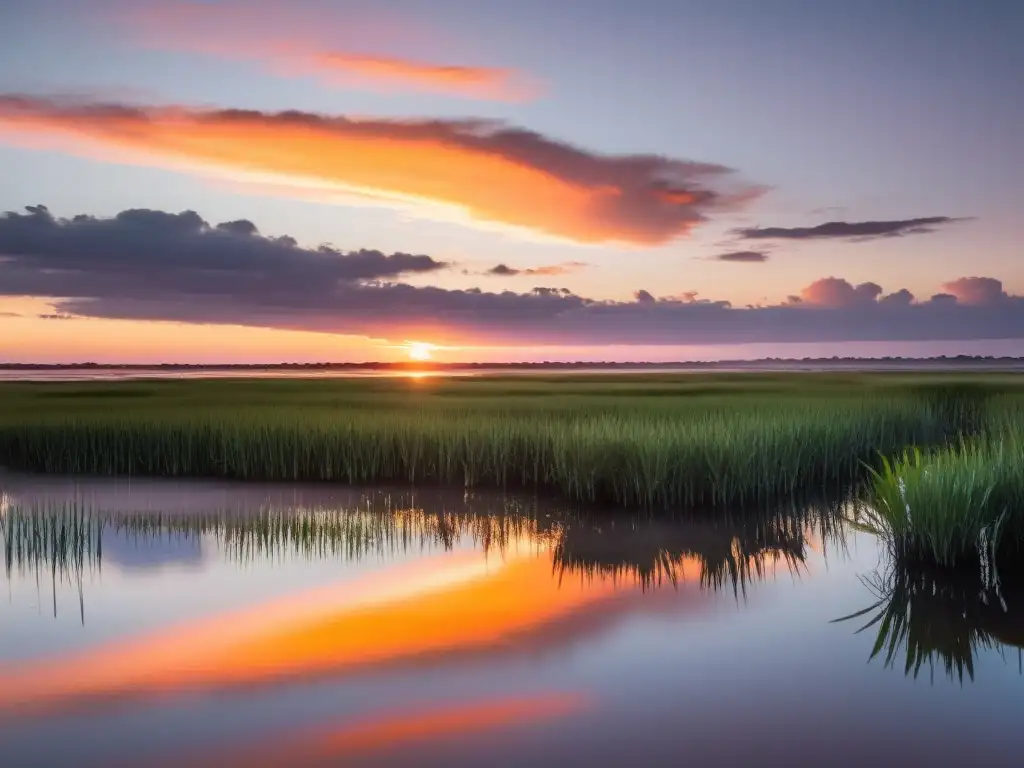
(552, 270)
(150, 265)
(742, 257)
(285, 39)
(481, 82)
(859, 230)
(475, 170)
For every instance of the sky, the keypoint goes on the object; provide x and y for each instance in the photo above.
(335, 180)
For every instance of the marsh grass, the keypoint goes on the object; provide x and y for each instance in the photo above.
(956, 506)
(627, 441)
(629, 459)
(948, 446)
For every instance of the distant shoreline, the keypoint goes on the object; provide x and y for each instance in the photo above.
(961, 362)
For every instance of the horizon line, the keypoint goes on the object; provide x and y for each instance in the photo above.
(452, 365)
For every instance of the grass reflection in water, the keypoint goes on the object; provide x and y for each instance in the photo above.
(511, 577)
(66, 539)
(930, 619)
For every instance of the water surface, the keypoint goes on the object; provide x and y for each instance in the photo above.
(157, 622)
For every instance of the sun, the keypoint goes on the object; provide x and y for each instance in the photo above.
(419, 351)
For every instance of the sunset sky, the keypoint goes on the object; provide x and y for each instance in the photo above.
(342, 180)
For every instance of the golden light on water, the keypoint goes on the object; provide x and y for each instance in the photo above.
(445, 606)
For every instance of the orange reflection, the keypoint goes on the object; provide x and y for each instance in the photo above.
(457, 603)
(394, 731)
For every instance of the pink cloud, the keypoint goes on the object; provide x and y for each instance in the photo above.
(837, 292)
(976, 290)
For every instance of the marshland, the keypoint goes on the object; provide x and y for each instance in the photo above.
(543, 568)
(935, 459)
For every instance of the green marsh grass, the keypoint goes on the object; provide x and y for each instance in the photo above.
(658, 441)
(957, 505)
(948, 445)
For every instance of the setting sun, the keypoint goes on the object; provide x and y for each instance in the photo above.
(419, 351)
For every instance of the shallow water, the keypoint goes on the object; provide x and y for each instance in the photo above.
(195, 623)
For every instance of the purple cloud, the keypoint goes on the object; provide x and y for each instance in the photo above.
(150, 265)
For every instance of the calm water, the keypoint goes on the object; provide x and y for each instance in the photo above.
(214, 624)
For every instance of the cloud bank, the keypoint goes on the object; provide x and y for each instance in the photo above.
(487, 171)
(857, 230)
(151, 265)
(137, 249)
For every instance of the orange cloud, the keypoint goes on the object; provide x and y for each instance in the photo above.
(555, 270)
(486, 82)
(472, 170)
(288, 41)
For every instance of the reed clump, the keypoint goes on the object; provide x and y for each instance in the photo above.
(961, 505)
